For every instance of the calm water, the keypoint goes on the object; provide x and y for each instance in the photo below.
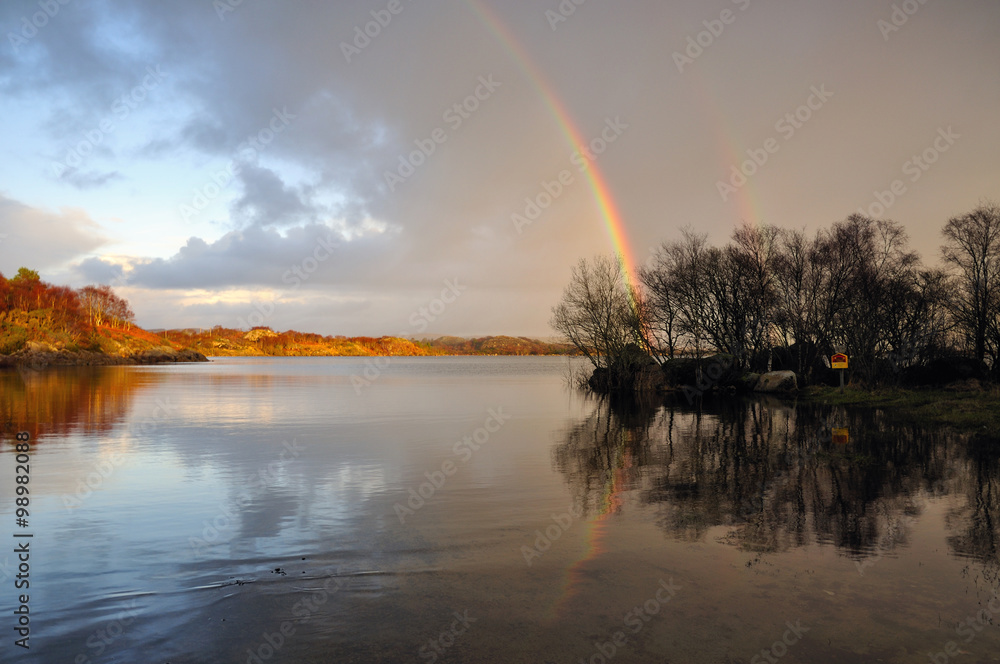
(478, 510)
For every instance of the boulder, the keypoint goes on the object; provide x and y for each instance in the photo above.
(777, 381)
(705, 374)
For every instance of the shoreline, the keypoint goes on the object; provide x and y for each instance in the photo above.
(83, 358)
(971, 410)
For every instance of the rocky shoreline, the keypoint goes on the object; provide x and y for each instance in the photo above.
(45, 358)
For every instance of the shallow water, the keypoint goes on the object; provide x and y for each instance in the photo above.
(478, 510)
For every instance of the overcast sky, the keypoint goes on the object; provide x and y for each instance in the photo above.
(221, 159)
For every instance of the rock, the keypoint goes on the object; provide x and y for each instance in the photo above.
(649, 379)
(777, 381)
(259, 333)
(705, 374)
(633, 371)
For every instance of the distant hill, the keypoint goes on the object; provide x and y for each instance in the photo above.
(226, 342)
(501, 345)
(221, 341)
(45, 324)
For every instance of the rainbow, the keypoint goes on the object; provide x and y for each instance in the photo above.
(611, 502)
(615, 225)
(746, 200)
(595, 178)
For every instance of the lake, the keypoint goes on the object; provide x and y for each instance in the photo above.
(481, 510)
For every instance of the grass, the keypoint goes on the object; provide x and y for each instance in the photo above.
(970, 410)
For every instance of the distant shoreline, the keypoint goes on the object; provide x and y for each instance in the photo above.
(66, 358)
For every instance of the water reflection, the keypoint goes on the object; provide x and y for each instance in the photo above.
(213, 529)
(58, 400)
(781, 477)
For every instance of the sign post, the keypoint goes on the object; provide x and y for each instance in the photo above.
(839, 361)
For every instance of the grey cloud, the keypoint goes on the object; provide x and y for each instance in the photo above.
(96, 271)
(257, 256)
(89, 179)
(268, 201)
(42, 239)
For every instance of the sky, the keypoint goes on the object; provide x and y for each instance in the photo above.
(421, 167)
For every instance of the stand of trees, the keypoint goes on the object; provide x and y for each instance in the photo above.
(778, 299)
(27, 302)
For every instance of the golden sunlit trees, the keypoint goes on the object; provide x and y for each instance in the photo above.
(104, 307)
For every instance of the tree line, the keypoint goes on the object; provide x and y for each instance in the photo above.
(780, 298)
(63, 308)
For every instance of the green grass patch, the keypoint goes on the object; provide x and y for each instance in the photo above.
(970, 410)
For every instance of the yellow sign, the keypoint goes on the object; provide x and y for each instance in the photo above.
(841, 437)
(838, 361)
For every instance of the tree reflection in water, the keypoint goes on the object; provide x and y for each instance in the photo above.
(771, 473)
(59, 400)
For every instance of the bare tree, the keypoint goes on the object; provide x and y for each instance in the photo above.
(799, 282)
(972, 251)
(103, 306)
(596, 313)
(690, 265)
(663, 300)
